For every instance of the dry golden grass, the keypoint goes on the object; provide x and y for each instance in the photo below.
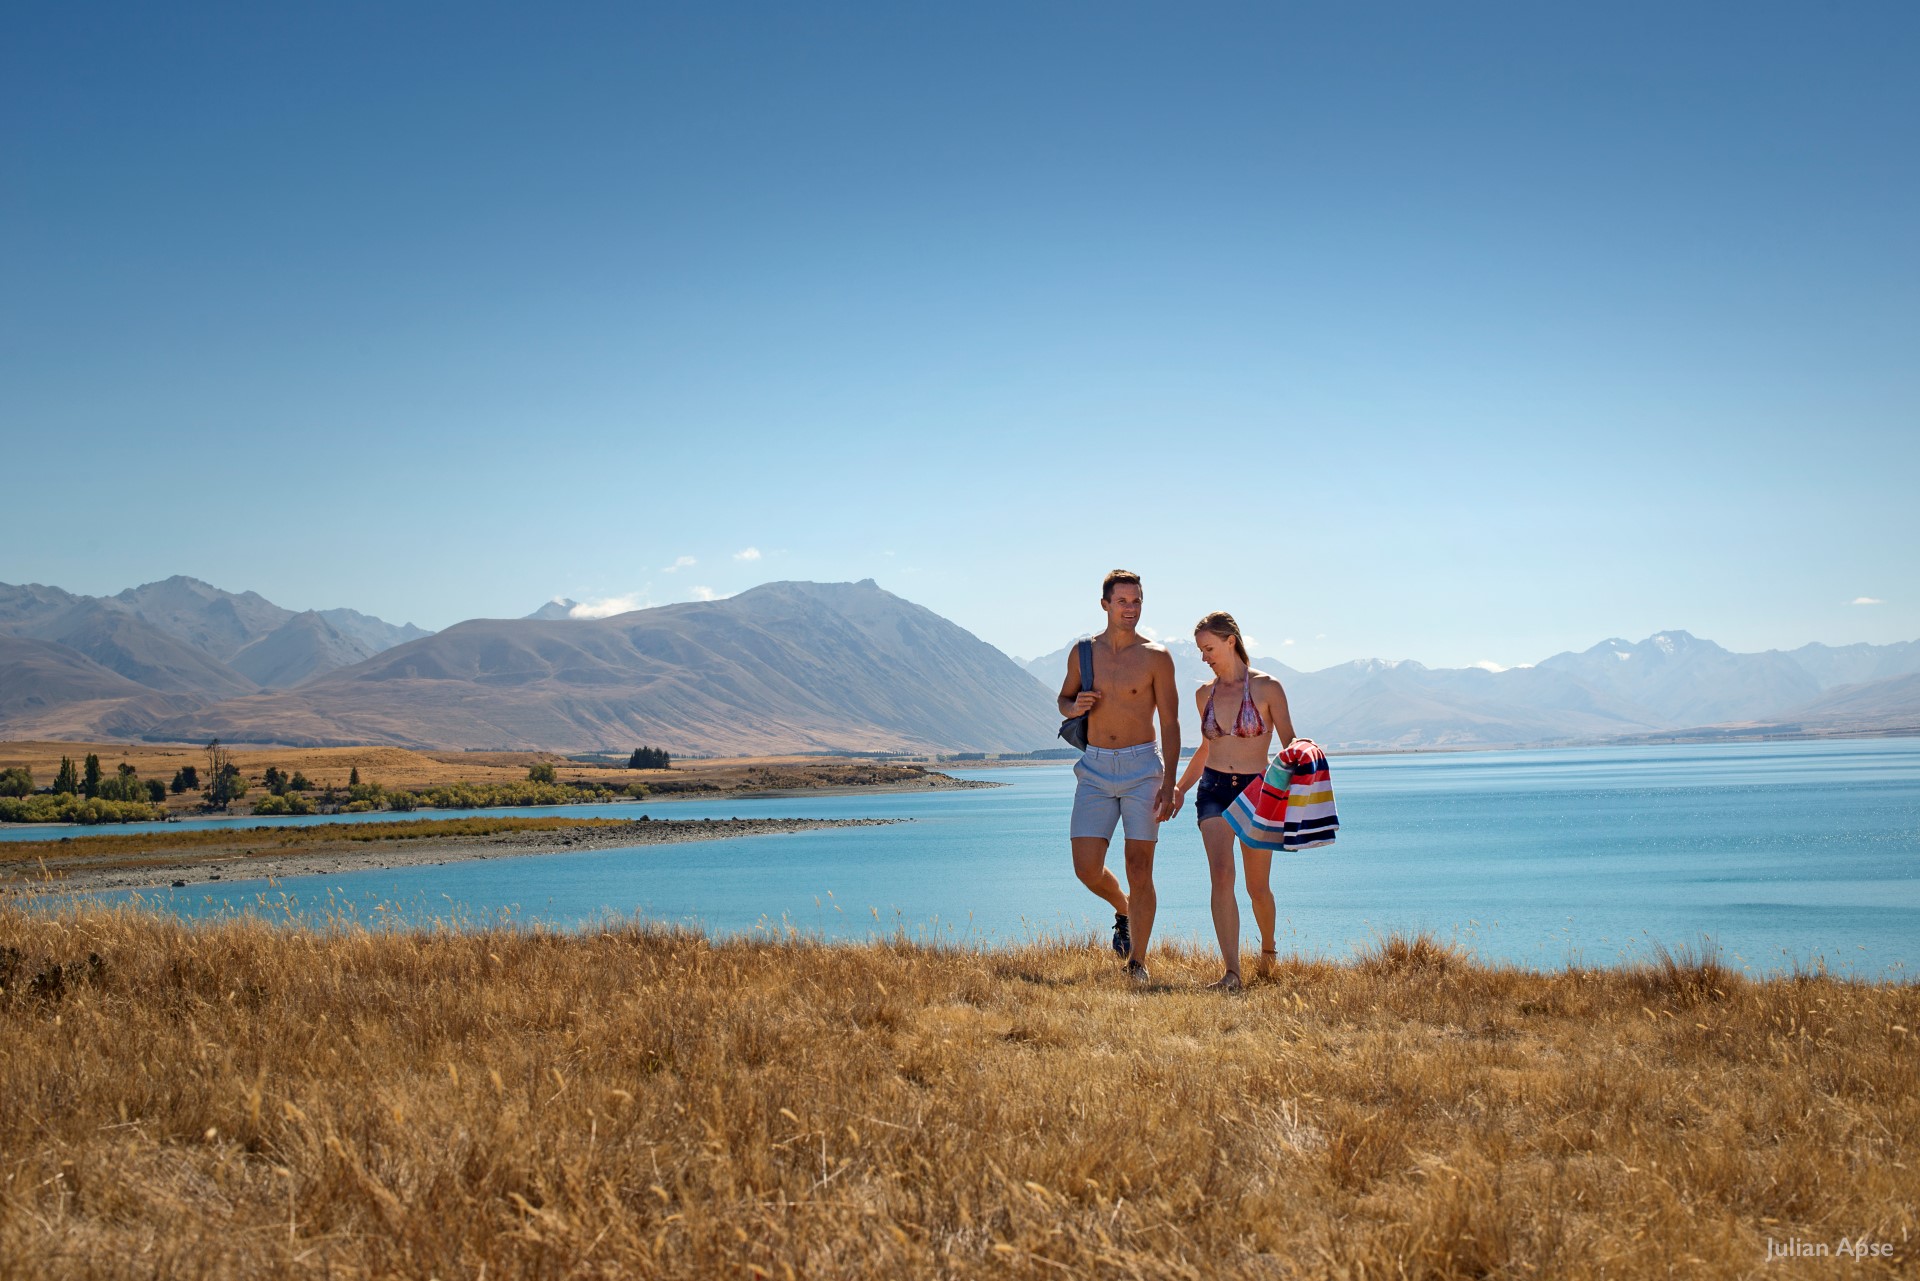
(399, 767)
(240, 1100)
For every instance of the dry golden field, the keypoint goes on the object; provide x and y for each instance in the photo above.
(399, 767)
(240, 1100)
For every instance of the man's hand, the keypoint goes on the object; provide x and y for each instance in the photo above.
(1168, 802)
(1084, 703)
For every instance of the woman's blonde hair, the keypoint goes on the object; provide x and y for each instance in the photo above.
(1221, 624)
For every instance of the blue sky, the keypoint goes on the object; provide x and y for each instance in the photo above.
(1457, 333)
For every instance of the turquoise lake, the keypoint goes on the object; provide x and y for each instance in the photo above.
(1783, 854)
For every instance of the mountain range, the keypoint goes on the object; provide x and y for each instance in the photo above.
(785, 667)
(789, 667)
(1672, 683)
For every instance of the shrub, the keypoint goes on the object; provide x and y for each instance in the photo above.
(156, 791)
(17, 781)
(300, 783)
(66, 807)
(541, 772)
(185, 779)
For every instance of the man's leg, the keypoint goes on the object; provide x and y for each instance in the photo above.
(1090, 865)
(1141, 894)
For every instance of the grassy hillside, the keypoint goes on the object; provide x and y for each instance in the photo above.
(236, 1100)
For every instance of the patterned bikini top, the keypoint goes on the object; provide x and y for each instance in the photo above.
(1246, 725)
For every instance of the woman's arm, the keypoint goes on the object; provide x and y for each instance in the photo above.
(1277, 713)
(1199, 761)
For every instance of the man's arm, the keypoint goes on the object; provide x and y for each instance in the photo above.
(1073, 700)
(1166, 699)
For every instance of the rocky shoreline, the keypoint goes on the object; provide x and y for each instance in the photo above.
(182, 868)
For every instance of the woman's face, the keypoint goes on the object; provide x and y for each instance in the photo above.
(1217, 650)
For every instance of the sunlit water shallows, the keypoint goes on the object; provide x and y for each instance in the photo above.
(1781, 854)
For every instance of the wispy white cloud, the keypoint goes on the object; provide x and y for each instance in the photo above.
(1866, 600)
(679, 564)
(1287, 641)
(608, 606)
(706, 593)
(747, 553)
(1148, 632)
(1488, 665)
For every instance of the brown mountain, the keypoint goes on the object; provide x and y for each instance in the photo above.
(48, 690)
(783, 667)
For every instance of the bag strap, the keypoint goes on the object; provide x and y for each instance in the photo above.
(1086, 665)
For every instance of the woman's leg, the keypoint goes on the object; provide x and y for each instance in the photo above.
(1218, 838)
(1259, 868)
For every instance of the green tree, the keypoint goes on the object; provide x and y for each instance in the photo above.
(156, 791)
(353, 778)
(276, 781)
(17, 781)
(300, 783)
(225, 783)
(541, 772)
(185, 779)
(90, 785)
(650, 758)
(67, 781)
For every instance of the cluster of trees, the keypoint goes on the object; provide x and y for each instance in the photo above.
(68, 807)
(81, 794)
(650, 758)
(362, 797)
(279, 782)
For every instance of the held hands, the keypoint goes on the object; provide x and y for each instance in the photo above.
(1168, 802)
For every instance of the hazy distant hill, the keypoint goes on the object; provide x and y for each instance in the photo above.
(783, 667)
(1892, 703)
(304, 646)
(1671, 681)
(1687, 681)
(134, 648)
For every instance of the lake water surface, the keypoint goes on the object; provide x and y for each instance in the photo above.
(1782, 854)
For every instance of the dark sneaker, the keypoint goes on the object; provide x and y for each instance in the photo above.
(1122, 937)
(1138, 973)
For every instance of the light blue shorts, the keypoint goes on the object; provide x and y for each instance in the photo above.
(1117, 785)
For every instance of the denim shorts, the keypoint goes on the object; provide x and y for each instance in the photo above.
(1117, 785)
(1218, 790)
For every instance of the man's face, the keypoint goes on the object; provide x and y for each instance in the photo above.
(1123, 605)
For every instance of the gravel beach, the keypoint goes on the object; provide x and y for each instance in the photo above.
(242, 863)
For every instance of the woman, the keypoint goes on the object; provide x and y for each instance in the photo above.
(1232, 754)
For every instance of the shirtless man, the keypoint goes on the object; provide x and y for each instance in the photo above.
(1123, 779)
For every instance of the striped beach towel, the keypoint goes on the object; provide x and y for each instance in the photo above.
(1292, 807)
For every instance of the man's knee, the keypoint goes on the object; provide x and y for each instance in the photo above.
(1089, 858)
(1140, 859)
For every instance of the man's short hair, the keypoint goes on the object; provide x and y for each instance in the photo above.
(1116, 577)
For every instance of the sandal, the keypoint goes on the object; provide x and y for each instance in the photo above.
(1228, 982)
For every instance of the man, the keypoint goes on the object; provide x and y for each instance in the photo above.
(1122, 778)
